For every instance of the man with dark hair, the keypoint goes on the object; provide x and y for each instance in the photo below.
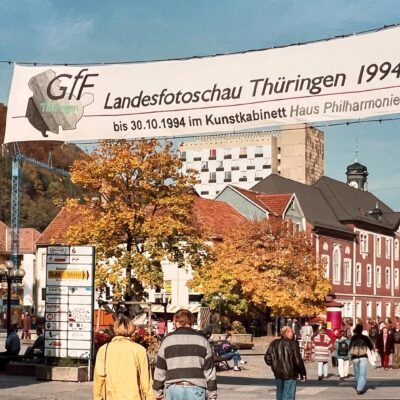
(13, 344)
(185, 365)
(284, 358)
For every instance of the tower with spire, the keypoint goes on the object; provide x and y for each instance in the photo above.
(357, 174)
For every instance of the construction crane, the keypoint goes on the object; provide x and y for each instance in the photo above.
(17, 160)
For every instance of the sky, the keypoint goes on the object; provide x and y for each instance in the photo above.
(76, 31)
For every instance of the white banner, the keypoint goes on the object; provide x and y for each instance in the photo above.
(353, 77)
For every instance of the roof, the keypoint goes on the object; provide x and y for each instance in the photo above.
(56, 230)
(272, 203)
(216, 217)
(316, 209)
(352, 205)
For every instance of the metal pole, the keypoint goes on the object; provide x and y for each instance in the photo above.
(220, 313)
(8, 303)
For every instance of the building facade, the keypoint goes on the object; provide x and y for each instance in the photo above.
(243, 159)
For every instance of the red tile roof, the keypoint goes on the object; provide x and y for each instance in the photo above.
(272, 203)
(216, 218)
(27, 239)
(55, 232)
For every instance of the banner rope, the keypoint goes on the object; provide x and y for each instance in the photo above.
(9, 62)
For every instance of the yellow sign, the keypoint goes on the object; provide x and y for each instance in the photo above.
(167, 286)
(68, 275)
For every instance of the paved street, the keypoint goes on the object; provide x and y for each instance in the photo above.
(254, 382)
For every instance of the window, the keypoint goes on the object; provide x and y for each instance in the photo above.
(387, 277)
(369, 275)
(336, 265)
(220, 166)
(204, 192)
(325, 263)
(363, 243)
(196, 156)
(396, 249)
(347, 270)
(378, 246)
(243, 177)
(228, 176)
(259, 151)
(358, 274)
(204, 166)
(388, 248)
(213, 154)
(183, 155)
(396, 278)
(378, 309)
(243, 152)
(250, 164)
(378, 278)
(369, 310)
(228, 153)
(388, 310)
(213, 177)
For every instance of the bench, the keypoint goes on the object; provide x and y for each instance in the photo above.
(5, 359)
(220, 362)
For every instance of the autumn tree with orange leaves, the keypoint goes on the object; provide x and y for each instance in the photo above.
(141, 217)
(267, 264)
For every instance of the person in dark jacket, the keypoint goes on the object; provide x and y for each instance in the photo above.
(385, 346)
(284, 358)
(359, 344)
(396, 338)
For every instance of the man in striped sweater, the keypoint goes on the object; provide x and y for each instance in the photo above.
(185, 366)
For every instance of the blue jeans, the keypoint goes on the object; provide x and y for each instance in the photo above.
(177, 392)
(235, 356)
(285, 389)
(360, 366)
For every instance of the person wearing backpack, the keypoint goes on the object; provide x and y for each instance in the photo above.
(373, 334)
(359, 344)
(341, 353)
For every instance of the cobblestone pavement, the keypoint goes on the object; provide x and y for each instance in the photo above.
(254, 382)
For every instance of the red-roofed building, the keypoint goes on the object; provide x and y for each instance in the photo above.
(27, 250)
(214, 217)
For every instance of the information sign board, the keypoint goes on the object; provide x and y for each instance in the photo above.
(69, 301)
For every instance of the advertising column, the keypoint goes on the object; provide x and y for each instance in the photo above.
(69, 301)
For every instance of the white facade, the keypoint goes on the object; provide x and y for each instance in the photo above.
(240, 159)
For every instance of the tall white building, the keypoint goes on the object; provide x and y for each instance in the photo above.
(243, 159)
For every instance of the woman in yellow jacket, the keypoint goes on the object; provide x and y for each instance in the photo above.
(122, 369)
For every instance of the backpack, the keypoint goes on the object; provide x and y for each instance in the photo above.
(343, 348)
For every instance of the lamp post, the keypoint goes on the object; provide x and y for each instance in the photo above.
(220, 311)
(10, 274)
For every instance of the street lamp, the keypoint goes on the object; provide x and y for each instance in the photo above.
(10, 275)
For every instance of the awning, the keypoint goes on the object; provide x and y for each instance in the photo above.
(159, 308)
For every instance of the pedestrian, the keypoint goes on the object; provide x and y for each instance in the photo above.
(385, 346)
(284, 358)
(13, 344)
(228, 351)
(185, 367)
(359, 345)
(37, 349)
(26, 327)
(341, 354)
(122, 369)
(322, 346)
(306, 334)
(333, 336)
(396, 345)
(373, 333)
(161, 327)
